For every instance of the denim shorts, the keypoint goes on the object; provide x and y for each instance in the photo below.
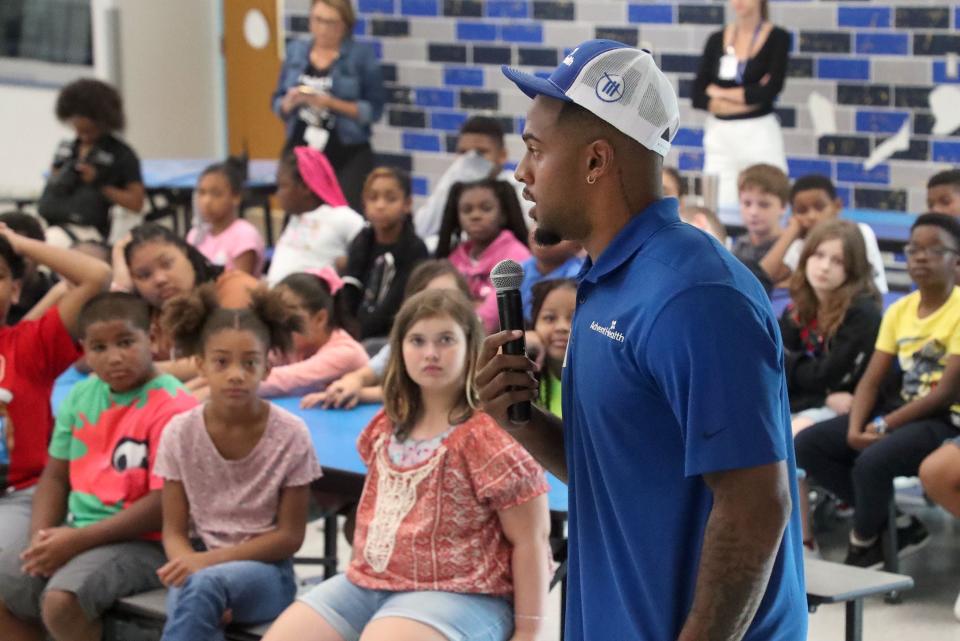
(348, 608)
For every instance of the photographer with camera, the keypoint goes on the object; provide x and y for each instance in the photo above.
(92, 172)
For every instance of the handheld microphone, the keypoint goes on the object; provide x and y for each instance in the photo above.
(506, 277)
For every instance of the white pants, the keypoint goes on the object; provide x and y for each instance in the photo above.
(730, 146)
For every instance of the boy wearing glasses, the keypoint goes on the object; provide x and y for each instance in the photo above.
(857, 456)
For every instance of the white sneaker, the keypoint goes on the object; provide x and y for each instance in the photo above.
(956, 608)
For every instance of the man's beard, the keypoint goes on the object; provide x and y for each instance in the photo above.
(545, 237)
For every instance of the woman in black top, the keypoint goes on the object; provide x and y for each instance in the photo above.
(94, 171)
(742, 71)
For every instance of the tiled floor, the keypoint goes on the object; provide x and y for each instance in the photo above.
(926, 613)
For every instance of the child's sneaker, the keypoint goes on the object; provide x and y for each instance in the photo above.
(865, 556)
(909, 539)
(912, 537)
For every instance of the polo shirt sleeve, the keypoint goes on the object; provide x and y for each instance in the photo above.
(717, 360)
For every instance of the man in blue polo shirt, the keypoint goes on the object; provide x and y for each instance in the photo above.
(676, 438)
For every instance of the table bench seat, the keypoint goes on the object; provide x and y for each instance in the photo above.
(838, 583)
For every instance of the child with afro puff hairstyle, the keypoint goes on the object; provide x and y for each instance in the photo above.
(237, 469)
(94, 171)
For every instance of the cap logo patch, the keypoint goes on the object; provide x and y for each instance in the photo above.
(609, 87)
(569, 59)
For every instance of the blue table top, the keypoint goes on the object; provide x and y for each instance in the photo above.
(334, 434)
(182, 173)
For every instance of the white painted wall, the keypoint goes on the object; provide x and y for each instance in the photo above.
(29, 133)
(171, 78)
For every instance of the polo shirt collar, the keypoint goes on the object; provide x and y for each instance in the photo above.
(631, 238)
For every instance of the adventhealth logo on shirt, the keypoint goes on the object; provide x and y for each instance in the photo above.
(610, 332)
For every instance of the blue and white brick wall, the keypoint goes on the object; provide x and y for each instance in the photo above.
(875, 61)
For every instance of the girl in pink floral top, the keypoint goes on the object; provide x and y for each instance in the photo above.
(489, 215)
(451, 537)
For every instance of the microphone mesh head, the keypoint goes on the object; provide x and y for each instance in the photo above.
(506, 275)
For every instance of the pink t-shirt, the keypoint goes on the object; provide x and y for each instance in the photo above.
(232, 501)
(434, 526)
(477, 272)
(225, 247)
(340, 355)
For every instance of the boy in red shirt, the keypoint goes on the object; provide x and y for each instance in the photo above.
(32, 355)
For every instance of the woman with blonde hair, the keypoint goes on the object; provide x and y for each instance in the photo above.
(330, 93)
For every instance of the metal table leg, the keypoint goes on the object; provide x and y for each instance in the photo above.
(854, 623)
(330, 531)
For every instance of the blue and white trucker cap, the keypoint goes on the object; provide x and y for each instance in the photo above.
(618, 84)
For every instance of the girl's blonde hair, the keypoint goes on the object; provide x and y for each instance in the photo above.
(403, 402)
(806, 305)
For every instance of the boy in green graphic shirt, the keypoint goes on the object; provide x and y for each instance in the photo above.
(94, 531)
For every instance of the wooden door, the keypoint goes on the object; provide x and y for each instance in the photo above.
(251, 77)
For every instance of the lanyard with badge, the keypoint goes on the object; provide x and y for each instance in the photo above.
(730, 67)
(319, 122)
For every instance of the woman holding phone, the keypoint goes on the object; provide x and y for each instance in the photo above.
(329, 94)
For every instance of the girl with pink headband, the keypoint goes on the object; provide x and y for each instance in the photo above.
(325, 350)
(321, 225)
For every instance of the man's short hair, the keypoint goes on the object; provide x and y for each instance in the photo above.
(950, 177)
(484, 126)
(811, 182)
(947, 223)
(766, 178)
(109, 306)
